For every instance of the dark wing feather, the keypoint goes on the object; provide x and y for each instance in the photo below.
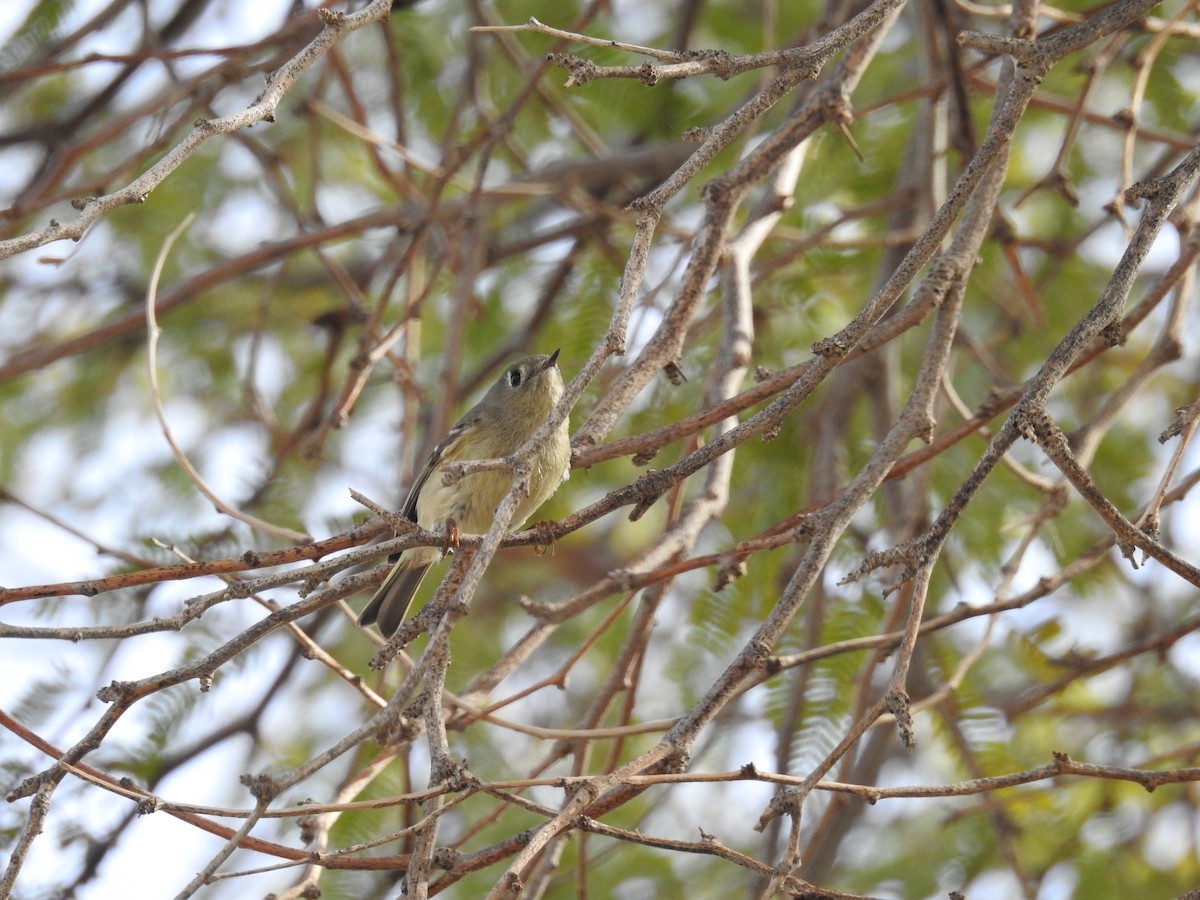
(390, 604)
(409, 510)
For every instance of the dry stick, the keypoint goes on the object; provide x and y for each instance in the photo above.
(963, 250)
(732, 360)
(533, 25)
(708, 845)
(723, 196)
(1142, 63)
(225, 852)
(122, 696)
(1148, 779)
(1035, 423)
(808, 58)
(1028, 76)
(917, 415)
(1028, 73)
(553, 101)
(196, 606)
(460, 584)
(442, 767)
(1035, 57)
(1057, 177)
(645, 446)
(1025, 418)
(188, 290)
(665, 345)
(407, 218)
(1184, 428)
(39, 807)
(262, 109)
(1002, 400)
(152, 334)
(925, 175)
(519, 462)
(1046, 586)
(1158, 644)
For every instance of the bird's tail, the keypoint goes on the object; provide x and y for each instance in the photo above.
(391, 603)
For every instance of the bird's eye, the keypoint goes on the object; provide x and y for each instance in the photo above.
(514, 377)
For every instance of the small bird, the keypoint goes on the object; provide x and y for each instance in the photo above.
(499, 424)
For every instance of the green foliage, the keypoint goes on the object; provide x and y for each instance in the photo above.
(40, 25)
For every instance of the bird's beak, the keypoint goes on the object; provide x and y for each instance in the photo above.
(551, 362)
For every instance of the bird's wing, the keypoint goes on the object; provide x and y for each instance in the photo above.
(453, 437)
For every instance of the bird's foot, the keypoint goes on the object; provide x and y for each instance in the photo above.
(546, 538)
(452, 538)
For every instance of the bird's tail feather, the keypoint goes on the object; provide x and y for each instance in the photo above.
(391, 603)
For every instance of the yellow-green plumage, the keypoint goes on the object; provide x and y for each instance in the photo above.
(499, 424)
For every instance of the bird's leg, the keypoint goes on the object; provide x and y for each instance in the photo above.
(452, 539)
(546, 538)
